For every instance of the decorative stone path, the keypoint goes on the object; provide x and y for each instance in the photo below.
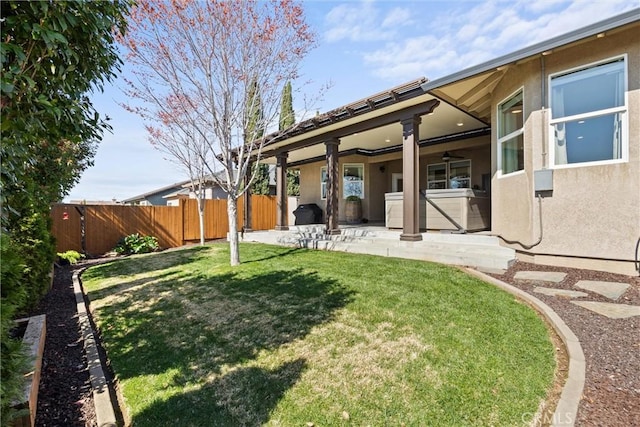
(611, 310)
(543, 276)
(560, 292)
(611, 290)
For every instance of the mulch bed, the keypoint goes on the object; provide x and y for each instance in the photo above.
(65, 397)
(611, 346)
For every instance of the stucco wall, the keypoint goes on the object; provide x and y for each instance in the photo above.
(310, 185)
(594, 210)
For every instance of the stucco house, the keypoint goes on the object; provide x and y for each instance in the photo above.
(540, 147)
(157, 197)
(170, 195)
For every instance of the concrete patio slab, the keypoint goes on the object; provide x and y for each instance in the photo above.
(543, 276)
(610, 310)
(611, 290)
(560, 292)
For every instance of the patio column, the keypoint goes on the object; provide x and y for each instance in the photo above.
(247, 199)
(410, 180)
(331, 219)
(281, 191)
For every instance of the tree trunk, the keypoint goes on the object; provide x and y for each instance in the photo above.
(234, 249)
(201, 219)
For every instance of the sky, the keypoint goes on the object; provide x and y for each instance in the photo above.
(364, 47)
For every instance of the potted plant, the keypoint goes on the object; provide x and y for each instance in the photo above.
(353, 210)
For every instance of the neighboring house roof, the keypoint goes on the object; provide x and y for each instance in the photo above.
(173, 190)
(155, 192)
(184, 192)
(221, 176)
(94, 202)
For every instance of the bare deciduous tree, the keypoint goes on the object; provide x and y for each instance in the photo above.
(184, 146)
(196, 60)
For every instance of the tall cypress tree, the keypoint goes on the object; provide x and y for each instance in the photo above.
(255, 119)
(287, 115)
(287, 119)
(255, 130)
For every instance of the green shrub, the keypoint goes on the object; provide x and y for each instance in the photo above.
(72, 257)
(136, 244)
(14, 297)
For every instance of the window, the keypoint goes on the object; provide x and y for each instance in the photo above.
(323, 182)
(396, 182)
(353, 178)
(588, 114)
(455, 174)
(437, 176)
(460, 174)
(510, 134)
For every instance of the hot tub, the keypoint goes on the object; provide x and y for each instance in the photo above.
(469, 208)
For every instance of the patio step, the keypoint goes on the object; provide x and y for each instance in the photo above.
(472, 250)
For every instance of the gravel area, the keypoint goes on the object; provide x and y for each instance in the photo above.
(611, 347)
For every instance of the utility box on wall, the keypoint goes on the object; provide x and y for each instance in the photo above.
(543, 180)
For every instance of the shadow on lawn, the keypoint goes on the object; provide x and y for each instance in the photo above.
(243, 397)
(197, 332)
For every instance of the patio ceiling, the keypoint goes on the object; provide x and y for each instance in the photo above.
(445, 120)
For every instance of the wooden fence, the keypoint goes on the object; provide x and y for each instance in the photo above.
(105, 225)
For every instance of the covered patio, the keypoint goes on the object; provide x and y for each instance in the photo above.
(409, 147)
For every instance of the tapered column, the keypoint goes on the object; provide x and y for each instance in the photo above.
(247, 199)
(410, 180)
(281, 191)
(333, 189)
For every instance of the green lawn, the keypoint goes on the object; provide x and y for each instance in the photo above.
(296, 336)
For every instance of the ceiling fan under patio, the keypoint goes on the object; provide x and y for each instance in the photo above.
(446, 156)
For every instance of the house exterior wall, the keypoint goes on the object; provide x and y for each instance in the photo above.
(594, 210)
(310, 185)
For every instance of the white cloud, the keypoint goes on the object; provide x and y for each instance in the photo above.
(463, 36)
(540, 6)
(354, 22)
(397, 16)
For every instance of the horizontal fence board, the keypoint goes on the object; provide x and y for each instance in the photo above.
(173, 226)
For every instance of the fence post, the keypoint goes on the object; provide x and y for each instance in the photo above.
(83, 235)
